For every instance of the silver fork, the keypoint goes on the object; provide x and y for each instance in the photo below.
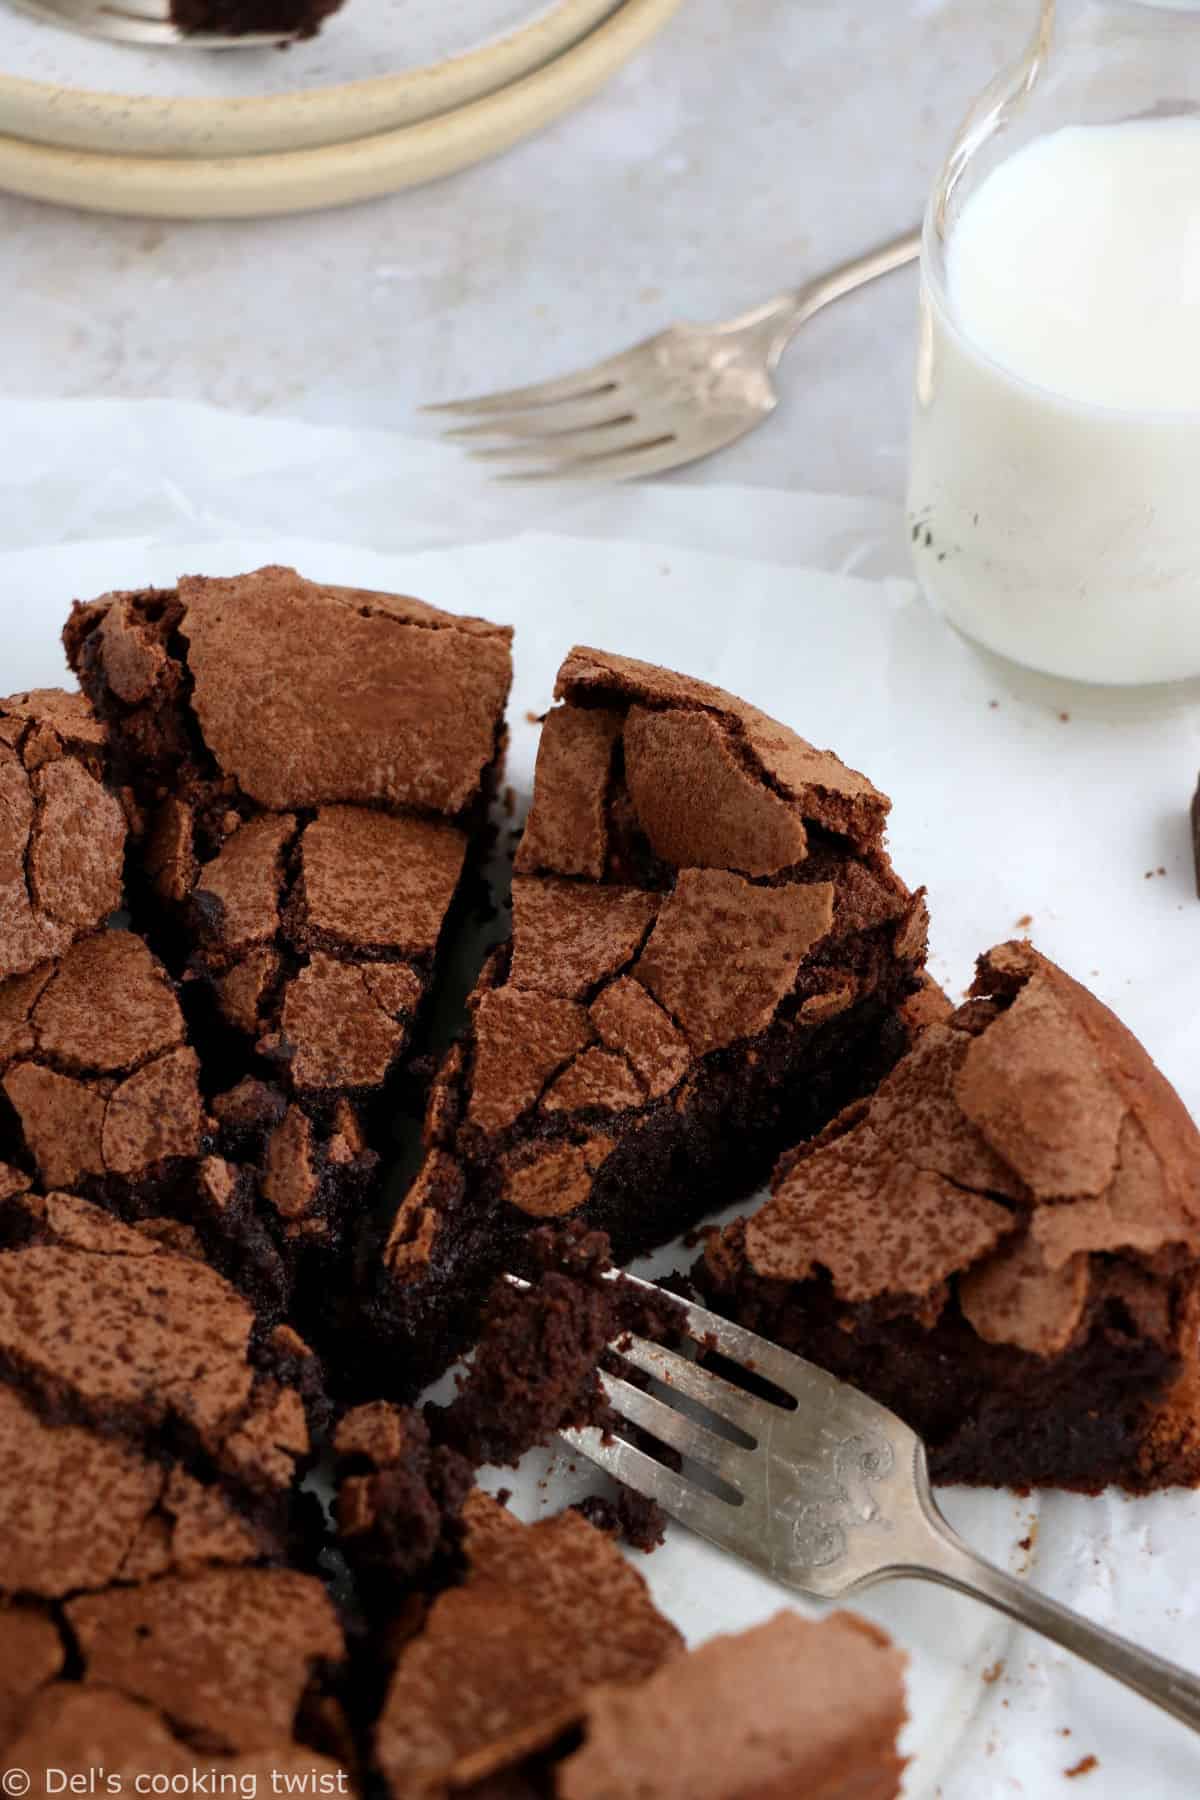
(672, 399)
(141, 22)
(829, 1497)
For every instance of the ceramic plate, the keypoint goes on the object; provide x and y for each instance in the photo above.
(378, 65)
(226, 187)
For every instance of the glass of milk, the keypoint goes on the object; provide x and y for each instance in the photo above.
(1055, 479)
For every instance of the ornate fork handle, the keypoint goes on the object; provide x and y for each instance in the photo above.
(953, 1564)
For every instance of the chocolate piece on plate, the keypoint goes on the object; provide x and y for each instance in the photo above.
(709, 947)
(548, 1671)
(313, 765)
(791, 1707)
(148, 1425)
(1002, 1244)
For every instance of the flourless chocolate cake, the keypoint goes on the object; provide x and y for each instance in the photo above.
(1002, 1244)
(235, 18)
(708, 949)
(310, 766)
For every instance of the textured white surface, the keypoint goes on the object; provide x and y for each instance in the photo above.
(1060, 800)
(752, 144)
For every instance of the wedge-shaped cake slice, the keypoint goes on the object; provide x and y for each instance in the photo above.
(548, 1671)
(790, 1708)
(311, 766)
(148, 1425)
(708, 949)
(1002, 1244)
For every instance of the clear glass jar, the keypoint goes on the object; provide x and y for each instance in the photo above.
(1054, 521)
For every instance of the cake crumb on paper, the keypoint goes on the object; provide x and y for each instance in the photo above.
(1084, 1766)
(993, 1672)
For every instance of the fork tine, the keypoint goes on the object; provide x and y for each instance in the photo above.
(720, 1397)
(539, 393)
(716, 1454)
(691, 1505)
(601, 440)
(756, 1354)
(651, 457)
(608, 407)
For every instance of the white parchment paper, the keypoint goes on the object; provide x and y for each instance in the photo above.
(1015, 798)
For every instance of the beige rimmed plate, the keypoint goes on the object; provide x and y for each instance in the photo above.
(304, 180)
(378, 66)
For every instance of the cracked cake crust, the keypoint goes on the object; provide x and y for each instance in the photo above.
(1002, 1243)
(656, 1019)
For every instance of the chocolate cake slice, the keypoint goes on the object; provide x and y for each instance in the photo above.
(548, 1672)
(312, 766)
(148, 1425)
(102, 1095)
(790, 1708)
(1002, 1244)
(62, 832)
(235, 18)
(709, 946)
(502, 1664)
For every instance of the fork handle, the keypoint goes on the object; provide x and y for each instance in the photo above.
(856, 273)
(954, 1564)
(781, 318)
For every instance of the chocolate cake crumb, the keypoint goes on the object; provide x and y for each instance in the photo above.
(637, 1521)
(535, 1368)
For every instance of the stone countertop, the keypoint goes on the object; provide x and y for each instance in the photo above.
(753, 144)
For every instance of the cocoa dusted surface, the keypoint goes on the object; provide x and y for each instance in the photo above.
(311, 766)
(148, 1423)
(504, 1661)
(1002, 1243)
(688, 988)
(226, 1654)
(105, 1096)
(62, 831)
(273, 693)
(791, 1707)
(79, 1729)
